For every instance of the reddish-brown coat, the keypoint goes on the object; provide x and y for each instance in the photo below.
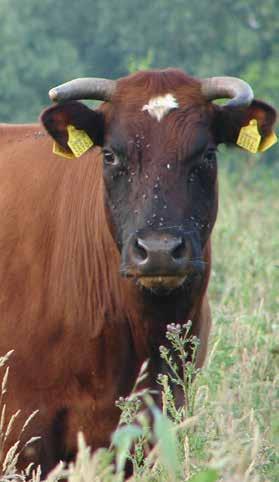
(58, 291)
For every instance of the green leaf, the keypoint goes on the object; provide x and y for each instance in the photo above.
(209, 475)
(123, 439)
(165, 434)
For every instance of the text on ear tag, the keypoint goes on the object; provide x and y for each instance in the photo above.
(249, 137)
(59, 151)
(78, 141)
(268, 142)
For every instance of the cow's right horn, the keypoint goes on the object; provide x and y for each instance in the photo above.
(84, 88)
(240, 93)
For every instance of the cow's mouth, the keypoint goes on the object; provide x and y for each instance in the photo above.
(161, 285)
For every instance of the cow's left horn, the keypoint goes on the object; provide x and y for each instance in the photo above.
(84, 88)
(240, 93)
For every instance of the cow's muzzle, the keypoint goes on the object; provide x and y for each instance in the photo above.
(161, 259)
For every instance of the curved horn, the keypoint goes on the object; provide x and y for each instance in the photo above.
(84, 88)
(228, 87)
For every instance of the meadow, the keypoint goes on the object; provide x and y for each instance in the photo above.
(229, 429)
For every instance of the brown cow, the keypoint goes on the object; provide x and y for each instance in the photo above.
(99, 254)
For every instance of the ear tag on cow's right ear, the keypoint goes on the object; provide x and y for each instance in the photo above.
(268, 142)
(59, 151)
(78, 141)
(249, 137)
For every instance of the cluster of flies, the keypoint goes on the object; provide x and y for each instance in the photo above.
(132, 173)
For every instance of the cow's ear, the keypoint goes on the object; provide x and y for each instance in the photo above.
(58, 117)
(229, 121)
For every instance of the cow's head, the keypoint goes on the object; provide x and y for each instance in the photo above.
(159, 132)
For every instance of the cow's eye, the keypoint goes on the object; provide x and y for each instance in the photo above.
(210, 156)
(110, 158)
(206, 171)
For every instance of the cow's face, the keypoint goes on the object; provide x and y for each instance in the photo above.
(159, 140)
(160, 173)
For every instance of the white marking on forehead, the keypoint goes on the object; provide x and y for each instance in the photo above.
(158, 107)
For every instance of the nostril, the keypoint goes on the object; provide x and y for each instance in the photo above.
(140, 251)
(179, 251)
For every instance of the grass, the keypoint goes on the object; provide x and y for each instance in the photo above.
(244, 289)
(229, 430)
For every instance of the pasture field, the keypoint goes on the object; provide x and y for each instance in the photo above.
(229, 430)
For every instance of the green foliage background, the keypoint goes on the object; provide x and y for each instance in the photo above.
(44, 43)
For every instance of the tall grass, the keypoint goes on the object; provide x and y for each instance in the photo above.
(229, 427)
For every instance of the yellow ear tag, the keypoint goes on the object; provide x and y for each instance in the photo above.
(249, 137)
(268, 142)
(79, 142)
(59, 151)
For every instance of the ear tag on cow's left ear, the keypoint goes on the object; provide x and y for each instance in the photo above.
(249, 137)
(59, 151)
(78, 141)
(268, 142)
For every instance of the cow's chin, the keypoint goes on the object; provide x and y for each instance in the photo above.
(161, 285)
